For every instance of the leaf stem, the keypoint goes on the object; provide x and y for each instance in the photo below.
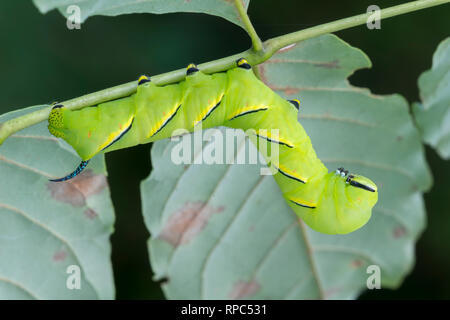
(252, 55)
(256, 41)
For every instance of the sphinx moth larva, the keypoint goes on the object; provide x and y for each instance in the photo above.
(329, 202)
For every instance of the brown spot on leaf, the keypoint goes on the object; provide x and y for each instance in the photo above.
(59, 255)
(290, 91)
(328, 65)
(357, 263)
(244, 289)
(231, 2)
(76, 191)
(286, 90)
(90, 214)
(262, 73)
(399, 138)
(331, 292)
(187, 222)
(399, 232)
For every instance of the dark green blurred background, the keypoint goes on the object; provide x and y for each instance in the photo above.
(41, 61)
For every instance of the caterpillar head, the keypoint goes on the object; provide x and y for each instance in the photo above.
(356, 180)
(344, 202)
(357, 195)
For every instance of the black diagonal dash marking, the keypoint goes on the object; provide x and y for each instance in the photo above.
(289, 176)
(302, 205)
(167, 121)
(248, 112)
(275, 141)
(120, 135)
(211, 110)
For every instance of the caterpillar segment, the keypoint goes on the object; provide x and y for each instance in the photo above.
(336, 202)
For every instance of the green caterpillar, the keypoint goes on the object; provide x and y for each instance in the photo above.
(333, 203)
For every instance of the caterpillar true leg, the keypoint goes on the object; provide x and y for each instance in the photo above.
(342, 172)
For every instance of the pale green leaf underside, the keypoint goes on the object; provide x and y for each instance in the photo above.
(224, 231)
(433, 114)
(46, 227)
(221, 8)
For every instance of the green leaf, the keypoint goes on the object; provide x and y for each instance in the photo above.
(45, 227)
(221, 8)
(433, 114)
(224, 231)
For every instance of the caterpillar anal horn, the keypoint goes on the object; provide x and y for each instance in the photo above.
(77, 171)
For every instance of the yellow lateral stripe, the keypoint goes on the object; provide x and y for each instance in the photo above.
(246, 109)
(115, 134)
(163, 121)
(292, 174)
(303, 203)
(269, 136)
(207, 110)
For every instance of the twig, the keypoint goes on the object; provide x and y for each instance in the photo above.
(256, 41)
(254, 57)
